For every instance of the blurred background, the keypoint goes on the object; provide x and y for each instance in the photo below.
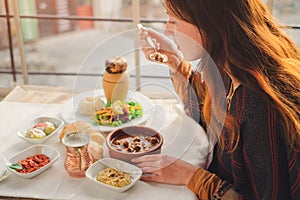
(58, 42)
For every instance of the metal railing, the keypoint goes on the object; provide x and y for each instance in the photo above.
(135, 19)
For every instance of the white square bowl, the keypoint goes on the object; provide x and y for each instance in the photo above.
(104, 163)
(58, 123)
(30, 151)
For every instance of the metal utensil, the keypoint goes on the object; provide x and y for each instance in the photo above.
(156, 56)
(148, 38)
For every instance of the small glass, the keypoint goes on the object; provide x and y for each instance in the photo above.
(78, 159)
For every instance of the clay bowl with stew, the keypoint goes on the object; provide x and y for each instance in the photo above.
(133, 141)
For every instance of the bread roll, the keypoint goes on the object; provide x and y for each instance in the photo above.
(89, 105)
(97, 139)
(95, 150)
(96, 136)
(78, 126)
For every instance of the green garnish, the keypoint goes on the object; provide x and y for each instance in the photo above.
(108, 104)
(117, 113)
(138, 113)
(16, 166)
(132, 103)
(117, 123)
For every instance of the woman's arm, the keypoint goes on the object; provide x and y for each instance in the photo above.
(187, 83)
(189, 87)
(180, 79)
(207, 185)
(166, 169)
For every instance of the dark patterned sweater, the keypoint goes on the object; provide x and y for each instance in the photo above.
(263, 166)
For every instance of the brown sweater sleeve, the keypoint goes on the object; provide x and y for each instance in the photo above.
(204, 184)
(191, 90)
(180, 79)
(208, 186)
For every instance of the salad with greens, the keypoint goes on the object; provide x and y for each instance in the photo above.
(117, 113)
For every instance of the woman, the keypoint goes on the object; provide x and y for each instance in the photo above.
(257, 151)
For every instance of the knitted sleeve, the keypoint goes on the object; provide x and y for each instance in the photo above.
(190, 89)
(207, 185)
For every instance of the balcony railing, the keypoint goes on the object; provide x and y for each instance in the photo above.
(135, 19)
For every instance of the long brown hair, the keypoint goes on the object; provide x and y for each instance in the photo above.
(244, 35)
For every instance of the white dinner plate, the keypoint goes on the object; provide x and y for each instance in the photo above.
(70, 115)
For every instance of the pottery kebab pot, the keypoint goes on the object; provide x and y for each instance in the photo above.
(116, 80)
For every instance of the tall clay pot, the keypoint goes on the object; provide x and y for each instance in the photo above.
(116, 79)
(116, 86)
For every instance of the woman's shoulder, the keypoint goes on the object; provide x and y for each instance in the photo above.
(248, 95)
(249, 103)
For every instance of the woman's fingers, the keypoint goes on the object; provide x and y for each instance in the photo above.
(148, 169)
(156, 37)
(144, 43)
(154, 34)
(148, 164)
(164, 169)
(143, 34)
(147, 158)
(152, 178)
(157, 46)
(151, 163)
(162, 44)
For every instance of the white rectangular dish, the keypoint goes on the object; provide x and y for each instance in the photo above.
(58, 123)
(104, 163)
(30, 151)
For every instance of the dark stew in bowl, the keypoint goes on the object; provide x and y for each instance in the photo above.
(134, 144)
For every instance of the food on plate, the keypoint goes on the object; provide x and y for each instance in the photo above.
(158, 57)
(134, 144)
(40, 130)
(114, 177)
(97, 139)
(116, 65)
(118, 113)
(88, 105)
(47, 127)
(116, 79)
(35, 133)
(129, 142)
(31, 163)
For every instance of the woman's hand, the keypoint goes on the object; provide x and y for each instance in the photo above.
(165, 169)
(163, 44)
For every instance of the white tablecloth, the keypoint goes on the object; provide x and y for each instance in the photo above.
(183, 138)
